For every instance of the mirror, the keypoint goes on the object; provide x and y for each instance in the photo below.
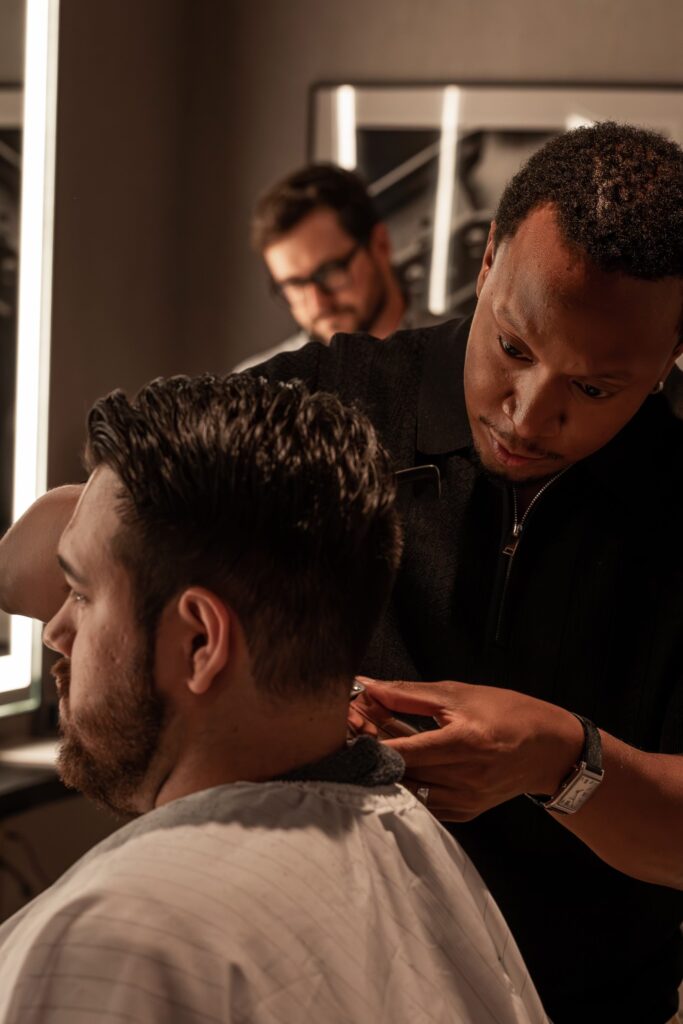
(27, 145)
(436, 159)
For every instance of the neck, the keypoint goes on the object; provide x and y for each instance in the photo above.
(254, 744)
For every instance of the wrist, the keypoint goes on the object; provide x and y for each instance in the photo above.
(584, 778)
(561, 751)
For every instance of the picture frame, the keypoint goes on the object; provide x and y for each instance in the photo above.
(436, 158)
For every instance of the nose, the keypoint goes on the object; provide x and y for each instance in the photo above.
(317, 300)
(535, 407)
(58, 633)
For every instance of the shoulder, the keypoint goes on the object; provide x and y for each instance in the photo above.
(358, 366)
(291, 344)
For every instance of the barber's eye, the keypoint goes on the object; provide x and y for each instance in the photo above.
(510, 350)
(590, 390)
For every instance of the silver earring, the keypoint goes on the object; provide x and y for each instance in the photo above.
(659, 387)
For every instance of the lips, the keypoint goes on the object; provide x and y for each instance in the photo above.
(508, 457)
(61, 673)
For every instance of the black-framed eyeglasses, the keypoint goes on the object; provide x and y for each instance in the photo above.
(329, 277)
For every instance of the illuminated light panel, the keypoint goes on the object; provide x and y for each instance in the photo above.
(443, 207)
(346, 127)
(577, 121)
(35, 300)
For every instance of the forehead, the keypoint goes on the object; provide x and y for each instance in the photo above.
(314, 240)
(86, 541)
(552, 292)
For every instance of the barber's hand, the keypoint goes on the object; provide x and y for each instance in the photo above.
(492, 744)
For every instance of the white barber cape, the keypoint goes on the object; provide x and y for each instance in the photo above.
(277, 903)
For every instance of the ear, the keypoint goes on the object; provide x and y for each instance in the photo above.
(676, 354)
(379, 243)
(207, 628)
(487, 262)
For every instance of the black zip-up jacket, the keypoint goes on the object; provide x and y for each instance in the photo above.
(588, 616)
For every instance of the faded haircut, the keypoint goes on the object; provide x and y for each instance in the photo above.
(279, 501)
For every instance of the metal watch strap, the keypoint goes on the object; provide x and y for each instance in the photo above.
(584, 778)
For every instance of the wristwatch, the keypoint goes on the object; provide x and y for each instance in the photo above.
(583, 779)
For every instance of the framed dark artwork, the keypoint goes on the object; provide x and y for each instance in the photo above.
(437, 157)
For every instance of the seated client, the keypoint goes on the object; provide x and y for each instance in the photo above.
(225, 566)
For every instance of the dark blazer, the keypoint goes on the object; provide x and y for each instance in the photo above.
(590, 617)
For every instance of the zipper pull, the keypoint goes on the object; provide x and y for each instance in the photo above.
(512, 543)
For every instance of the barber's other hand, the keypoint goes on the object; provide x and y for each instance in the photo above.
(492, 744)
(31, 582)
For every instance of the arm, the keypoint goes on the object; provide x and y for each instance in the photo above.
(31, 582)
(496, 744)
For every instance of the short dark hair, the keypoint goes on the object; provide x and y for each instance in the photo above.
(618, 194)
(279, 501)
(316, 186)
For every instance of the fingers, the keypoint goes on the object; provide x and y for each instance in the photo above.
(445, 776)
(425, 749)
(440, 801)
(359, 723)
(412, 698)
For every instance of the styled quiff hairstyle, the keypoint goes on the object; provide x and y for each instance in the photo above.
(279, 501)
(618, 194)
(316, 186)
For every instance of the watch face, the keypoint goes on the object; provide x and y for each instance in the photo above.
(577, 791)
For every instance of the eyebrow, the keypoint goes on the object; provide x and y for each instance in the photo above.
(69, 570)
(505, 314)
(617, 377)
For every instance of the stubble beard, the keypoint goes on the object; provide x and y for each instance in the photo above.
(106, 752)
(365, 323)
(498, 475)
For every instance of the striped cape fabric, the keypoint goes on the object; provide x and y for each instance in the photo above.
(269, 903)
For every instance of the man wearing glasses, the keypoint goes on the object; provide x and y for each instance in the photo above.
(328, 256)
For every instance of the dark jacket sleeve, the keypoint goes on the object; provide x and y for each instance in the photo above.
(381, 378)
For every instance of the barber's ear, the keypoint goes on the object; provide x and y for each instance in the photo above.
(207, 630)
(676, 354)
(487, 262)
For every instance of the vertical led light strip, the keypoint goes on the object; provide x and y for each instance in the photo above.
(346, 127)
(443, 207)
(577, 121)
(35, 295)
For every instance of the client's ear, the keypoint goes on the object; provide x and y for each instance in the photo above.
(206, 623)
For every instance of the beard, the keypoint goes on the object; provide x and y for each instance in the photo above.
(363, 322)
(501, 478)
(106, 751)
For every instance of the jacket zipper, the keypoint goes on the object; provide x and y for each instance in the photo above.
(510, 548)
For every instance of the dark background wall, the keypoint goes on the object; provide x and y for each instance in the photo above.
(175, 114)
